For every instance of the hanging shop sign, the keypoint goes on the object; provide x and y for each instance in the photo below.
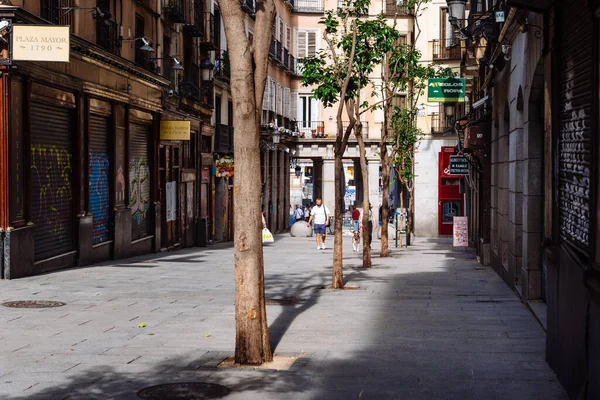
(224, 167)
(460, 232)
(40, 43)
(459, 165)
(446, 90)
(174, 130)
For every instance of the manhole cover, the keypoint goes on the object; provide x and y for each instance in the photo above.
(33, 304)
(284, 301)
(184, 391)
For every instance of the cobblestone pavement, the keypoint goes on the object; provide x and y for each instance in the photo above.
(428, 323)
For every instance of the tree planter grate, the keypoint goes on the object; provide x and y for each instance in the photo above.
(284, 301)
(184, 391)
(33, 304)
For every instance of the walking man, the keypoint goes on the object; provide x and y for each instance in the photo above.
(320, 214)
(355, 217)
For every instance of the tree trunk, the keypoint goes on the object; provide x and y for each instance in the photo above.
(385, 176)
(337, 277)
(252, 345)
(367, 233)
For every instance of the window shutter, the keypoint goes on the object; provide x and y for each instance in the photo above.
(286, 103)
(273, 94)
(312, 44)
(288, 38)
(266, 95)
(281, 32)
(301, 45)
(294, 105)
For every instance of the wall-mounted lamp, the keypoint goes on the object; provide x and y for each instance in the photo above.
(147, 46)
(208, 70)
(276, 136)
(456, 11)
(176, 62)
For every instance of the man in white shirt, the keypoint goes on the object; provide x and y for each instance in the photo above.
(320, 214)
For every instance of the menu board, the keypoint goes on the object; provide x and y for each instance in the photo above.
(461, 232)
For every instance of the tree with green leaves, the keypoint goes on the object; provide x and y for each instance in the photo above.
(248, 79)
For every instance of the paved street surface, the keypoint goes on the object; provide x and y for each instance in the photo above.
(429, 323)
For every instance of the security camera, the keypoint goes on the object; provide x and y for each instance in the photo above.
(171, 93)
(505, 48)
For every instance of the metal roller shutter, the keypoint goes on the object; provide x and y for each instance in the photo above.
(99, 166)
(51, 179)
(139, 180)
(575, 144)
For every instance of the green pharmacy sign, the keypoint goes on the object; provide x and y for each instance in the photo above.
(446, 90)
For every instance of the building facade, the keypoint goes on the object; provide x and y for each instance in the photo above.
(533, 182)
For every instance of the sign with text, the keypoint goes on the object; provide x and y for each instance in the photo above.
(461, 232)
(40, 43)
(459, 165)
(446, 90)
(174, 130)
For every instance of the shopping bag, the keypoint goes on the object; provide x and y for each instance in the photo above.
(267, 236)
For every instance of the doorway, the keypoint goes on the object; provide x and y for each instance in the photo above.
(169, 178)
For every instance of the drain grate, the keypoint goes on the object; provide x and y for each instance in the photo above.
(284, 301)
(33, 304)
(184, 391)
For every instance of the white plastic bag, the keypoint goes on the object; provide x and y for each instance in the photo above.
(267, 236)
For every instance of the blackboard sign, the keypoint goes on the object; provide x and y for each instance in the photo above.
(459, 165)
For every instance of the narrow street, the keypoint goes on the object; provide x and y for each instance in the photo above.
(428, 323)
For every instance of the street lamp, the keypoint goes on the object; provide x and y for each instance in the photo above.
(456, 10)
(208, 70)
(276, 136)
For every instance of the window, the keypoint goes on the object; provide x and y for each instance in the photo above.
(288, 38)
(306, 43)
(307, 113)
(281, 31)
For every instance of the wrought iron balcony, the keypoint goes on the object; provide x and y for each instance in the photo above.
(286, 58)
(145, 59)
(222, 66)
(278, 51)
(397, 7)
(207, 94)
(292, 65)
(107, 35)
(446, 49)
(174, 10)
(272, 49)
(195, 25)
(364, 130)
(308, 6)
(210, 38)
(53, 11)
(438, 123)
(314, 129)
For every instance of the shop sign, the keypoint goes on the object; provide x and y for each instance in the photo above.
(224, 167)
(40, 43)
(460, 232)
(459, 165)
(174, 130)
(446, 90)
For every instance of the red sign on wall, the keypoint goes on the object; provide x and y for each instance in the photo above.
(450, 201)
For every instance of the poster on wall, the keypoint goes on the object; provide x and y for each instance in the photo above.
(224, 167)
(171, 201)
(461, 232)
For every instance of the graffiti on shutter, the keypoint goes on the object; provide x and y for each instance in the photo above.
(139, 181)
(99, 178)
(575, 139)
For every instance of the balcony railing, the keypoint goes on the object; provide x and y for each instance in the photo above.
(174, 10)
(446, 49)
(438, 123)
(53, 11)
(278, 51)
(292, 65)
(195, 19)
(286, 58)
(107, 35)
(145, 59)
(364, 130)
(314, 129)
(308, 6)
(209, 38)
(272, 49)
(249, 7)
(222, 69)
(207, 94)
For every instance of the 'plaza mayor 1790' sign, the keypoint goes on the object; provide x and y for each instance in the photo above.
(40, 43)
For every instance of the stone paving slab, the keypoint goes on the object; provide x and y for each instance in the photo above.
(426, 323)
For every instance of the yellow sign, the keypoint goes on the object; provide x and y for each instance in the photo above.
(40, 43)
(174, 130)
